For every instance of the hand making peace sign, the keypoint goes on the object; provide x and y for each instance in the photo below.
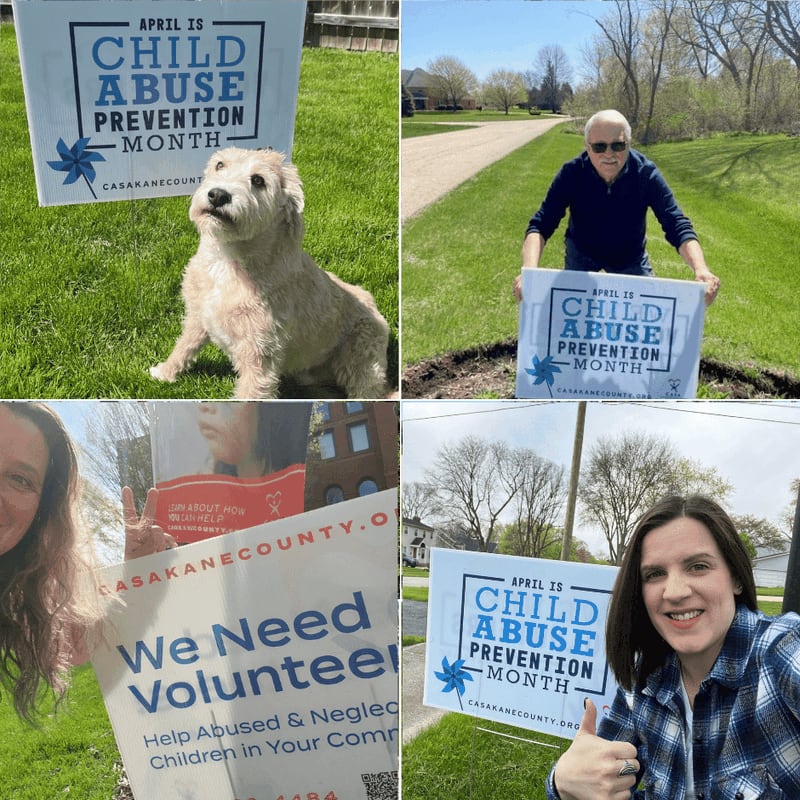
(142, 536)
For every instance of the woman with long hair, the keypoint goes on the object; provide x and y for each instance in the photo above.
(708, 704)
(46, 601)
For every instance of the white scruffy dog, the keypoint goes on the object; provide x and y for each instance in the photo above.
(252, 290)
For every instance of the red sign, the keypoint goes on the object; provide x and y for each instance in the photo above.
(197, 507)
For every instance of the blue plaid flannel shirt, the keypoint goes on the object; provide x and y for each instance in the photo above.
(746, 731)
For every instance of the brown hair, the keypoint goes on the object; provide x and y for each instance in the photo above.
(41, 607)
(633, 647)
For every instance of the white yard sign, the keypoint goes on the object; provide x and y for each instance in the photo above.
(262, 664)
(517, 640)
(596, 336)
(130, 99)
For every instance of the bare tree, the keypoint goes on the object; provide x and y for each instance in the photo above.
(475, 482)
(655, 44)
(418, 500)
(734, 35)
(538, 503)
(787, 518)
(691, 477)
(783, 26)
(530, 82)
(620, 478)
(452, 80)
(117, 450)
(102, 516)
(504, 88)
(762, 532)
(621, 29)
(554, 71)
(627, 475)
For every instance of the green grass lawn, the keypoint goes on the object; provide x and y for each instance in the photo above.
(90, 294)
(460, 256)
(455, 759)
(416, 572)
(425, 123)
(71, 754)
(418, 593)
(769, 592)
(488, 115)
(410, 129)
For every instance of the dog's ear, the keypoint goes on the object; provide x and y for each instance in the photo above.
(295, 200)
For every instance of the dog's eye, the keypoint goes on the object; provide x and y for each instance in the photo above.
(258, 181)
(220, 165)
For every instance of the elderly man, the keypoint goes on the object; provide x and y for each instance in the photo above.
(608, 190)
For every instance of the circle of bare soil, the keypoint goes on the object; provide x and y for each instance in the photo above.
(489, 371)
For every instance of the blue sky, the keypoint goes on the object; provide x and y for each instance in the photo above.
(753, 444)
(496, 34)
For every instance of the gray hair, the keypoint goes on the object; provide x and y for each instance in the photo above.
(608, 115)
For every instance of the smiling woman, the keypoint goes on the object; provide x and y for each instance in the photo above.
(709, 697)
(42, 568)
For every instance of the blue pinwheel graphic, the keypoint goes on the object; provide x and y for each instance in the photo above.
(453, 677)
(77, 162)
(544, 371)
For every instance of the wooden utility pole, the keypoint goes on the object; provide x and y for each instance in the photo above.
(574, 474)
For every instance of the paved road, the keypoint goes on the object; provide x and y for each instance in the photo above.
(416, 717)
(432, 166)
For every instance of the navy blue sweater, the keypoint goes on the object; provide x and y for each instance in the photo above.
(608, 223)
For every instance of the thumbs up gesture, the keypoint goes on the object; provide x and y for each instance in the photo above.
(142, 536)
(594, 768)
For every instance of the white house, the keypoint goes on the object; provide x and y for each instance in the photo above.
(770, 567)
(418, 538)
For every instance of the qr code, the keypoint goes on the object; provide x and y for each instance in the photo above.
(380, 785)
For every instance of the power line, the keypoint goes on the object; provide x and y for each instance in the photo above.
(658, 407)
(510, 406)
(515, 406)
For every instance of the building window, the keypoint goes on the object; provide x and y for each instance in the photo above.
(324, 411)
(334, 494)
(359, 439)
(353, 407)
(367, 486)
(327, 447)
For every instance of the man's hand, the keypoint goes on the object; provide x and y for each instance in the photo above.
(142, 537)
(590, 769)
(711, 282)
(518, 288)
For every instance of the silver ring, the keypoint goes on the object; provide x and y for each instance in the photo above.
(627, 769)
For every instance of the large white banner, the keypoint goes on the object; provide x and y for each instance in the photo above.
(517, 640)
(262, 664)
(130, 99)
(591, 335)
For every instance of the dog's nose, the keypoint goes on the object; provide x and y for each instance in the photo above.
(218, 197)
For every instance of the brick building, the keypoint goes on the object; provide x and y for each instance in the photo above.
(358, 451)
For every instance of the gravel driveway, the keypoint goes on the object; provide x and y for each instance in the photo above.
(431, 166)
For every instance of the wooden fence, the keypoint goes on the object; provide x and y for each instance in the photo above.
(353, 24)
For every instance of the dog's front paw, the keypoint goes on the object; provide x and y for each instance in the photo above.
(161, 373)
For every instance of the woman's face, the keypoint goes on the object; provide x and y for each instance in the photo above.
(230, 430)
(688, 590)
(24, 456)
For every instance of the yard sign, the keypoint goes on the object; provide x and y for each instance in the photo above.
(130, 99)
(592, 335)
(262, 664)
(517, 640)
(200, 496)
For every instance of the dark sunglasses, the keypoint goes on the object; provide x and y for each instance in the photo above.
(601, 147)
